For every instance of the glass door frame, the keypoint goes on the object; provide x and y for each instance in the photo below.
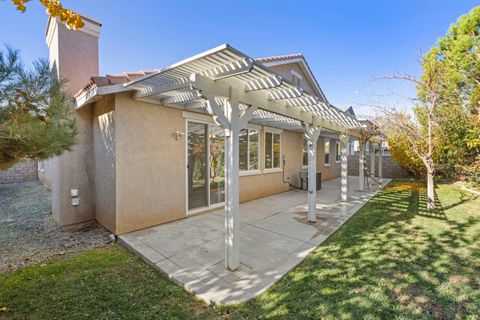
(209, 205)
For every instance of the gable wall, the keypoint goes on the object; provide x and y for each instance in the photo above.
(285, 70)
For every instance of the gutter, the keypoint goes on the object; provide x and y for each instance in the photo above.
(95, 93)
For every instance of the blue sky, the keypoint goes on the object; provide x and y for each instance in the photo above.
(346, 43)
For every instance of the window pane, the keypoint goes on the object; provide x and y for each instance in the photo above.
(276, 150)
(243, 150)
(305, 152)
(327, 151)
(253, 150)
(268, 150)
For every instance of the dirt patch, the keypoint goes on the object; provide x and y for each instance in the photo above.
(28, 233)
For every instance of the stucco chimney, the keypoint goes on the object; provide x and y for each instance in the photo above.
(74, 58)
(73, 54)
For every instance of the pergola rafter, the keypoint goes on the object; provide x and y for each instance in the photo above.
(235, 89)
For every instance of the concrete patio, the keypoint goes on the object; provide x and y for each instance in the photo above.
(275, 236)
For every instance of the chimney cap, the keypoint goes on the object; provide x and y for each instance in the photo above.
(89, 24)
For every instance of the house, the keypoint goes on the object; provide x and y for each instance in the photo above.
(213, 130)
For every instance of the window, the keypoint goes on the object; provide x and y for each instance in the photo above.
(338, 157)
(326, 148)
(305, 152)
(248, 145)
(296, 78)
(272, 150)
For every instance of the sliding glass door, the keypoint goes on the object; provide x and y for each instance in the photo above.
(206, 165)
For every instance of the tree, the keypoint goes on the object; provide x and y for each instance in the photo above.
(459, 103)
(418, 134)
(36, 116)
(55, 9)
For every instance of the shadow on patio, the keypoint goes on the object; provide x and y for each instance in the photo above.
(274, 233)
(392, 258)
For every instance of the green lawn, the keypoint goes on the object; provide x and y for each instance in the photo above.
(392, 260)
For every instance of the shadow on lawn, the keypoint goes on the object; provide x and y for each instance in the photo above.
(392, 258)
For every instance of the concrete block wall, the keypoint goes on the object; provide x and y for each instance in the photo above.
(390, 168)
(26, 170)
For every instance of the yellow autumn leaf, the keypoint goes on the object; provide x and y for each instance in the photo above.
(55, 9)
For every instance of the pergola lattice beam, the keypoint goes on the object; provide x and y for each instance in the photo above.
(263, 83)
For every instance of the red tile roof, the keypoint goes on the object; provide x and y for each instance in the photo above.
(280, 58)
(111, 79)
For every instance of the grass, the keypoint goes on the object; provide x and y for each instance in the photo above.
(392, 260)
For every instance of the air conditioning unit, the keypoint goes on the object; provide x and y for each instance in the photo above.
(304, 180)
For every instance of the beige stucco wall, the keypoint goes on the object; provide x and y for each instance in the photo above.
(267, 183)
(150, 175)
(150, 164)
(45, 172)
(74, 55)
(104, 161)
(74, 58)
(74, 170)
(333, 170)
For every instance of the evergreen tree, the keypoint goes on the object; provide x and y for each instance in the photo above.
(36, 116)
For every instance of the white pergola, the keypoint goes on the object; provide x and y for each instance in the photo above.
(235, 90)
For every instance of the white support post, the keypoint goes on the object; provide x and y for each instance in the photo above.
(311, 134)
(344, 166)
(361, 164)
(230, 119)
(372, 159)
(380, 162)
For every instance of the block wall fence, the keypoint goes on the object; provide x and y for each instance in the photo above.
(390, 168)
(26, 170)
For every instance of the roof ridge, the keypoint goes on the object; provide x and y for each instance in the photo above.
(290, 56)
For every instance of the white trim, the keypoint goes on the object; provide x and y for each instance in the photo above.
(265, 151)
(272, 170)
(304, 139)
(272, 130)
(296, 74)
(338, 152)
(96, 93)
(253, 126)
(248, 149)
(205, 209)
(192, 116)
(325, 140)
(209, 124)
(249, 172)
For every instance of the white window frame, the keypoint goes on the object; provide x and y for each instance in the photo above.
(304, 151)
(338, 156)
(249, 172)
(295, 76)
(273, 169)
(325, 141)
